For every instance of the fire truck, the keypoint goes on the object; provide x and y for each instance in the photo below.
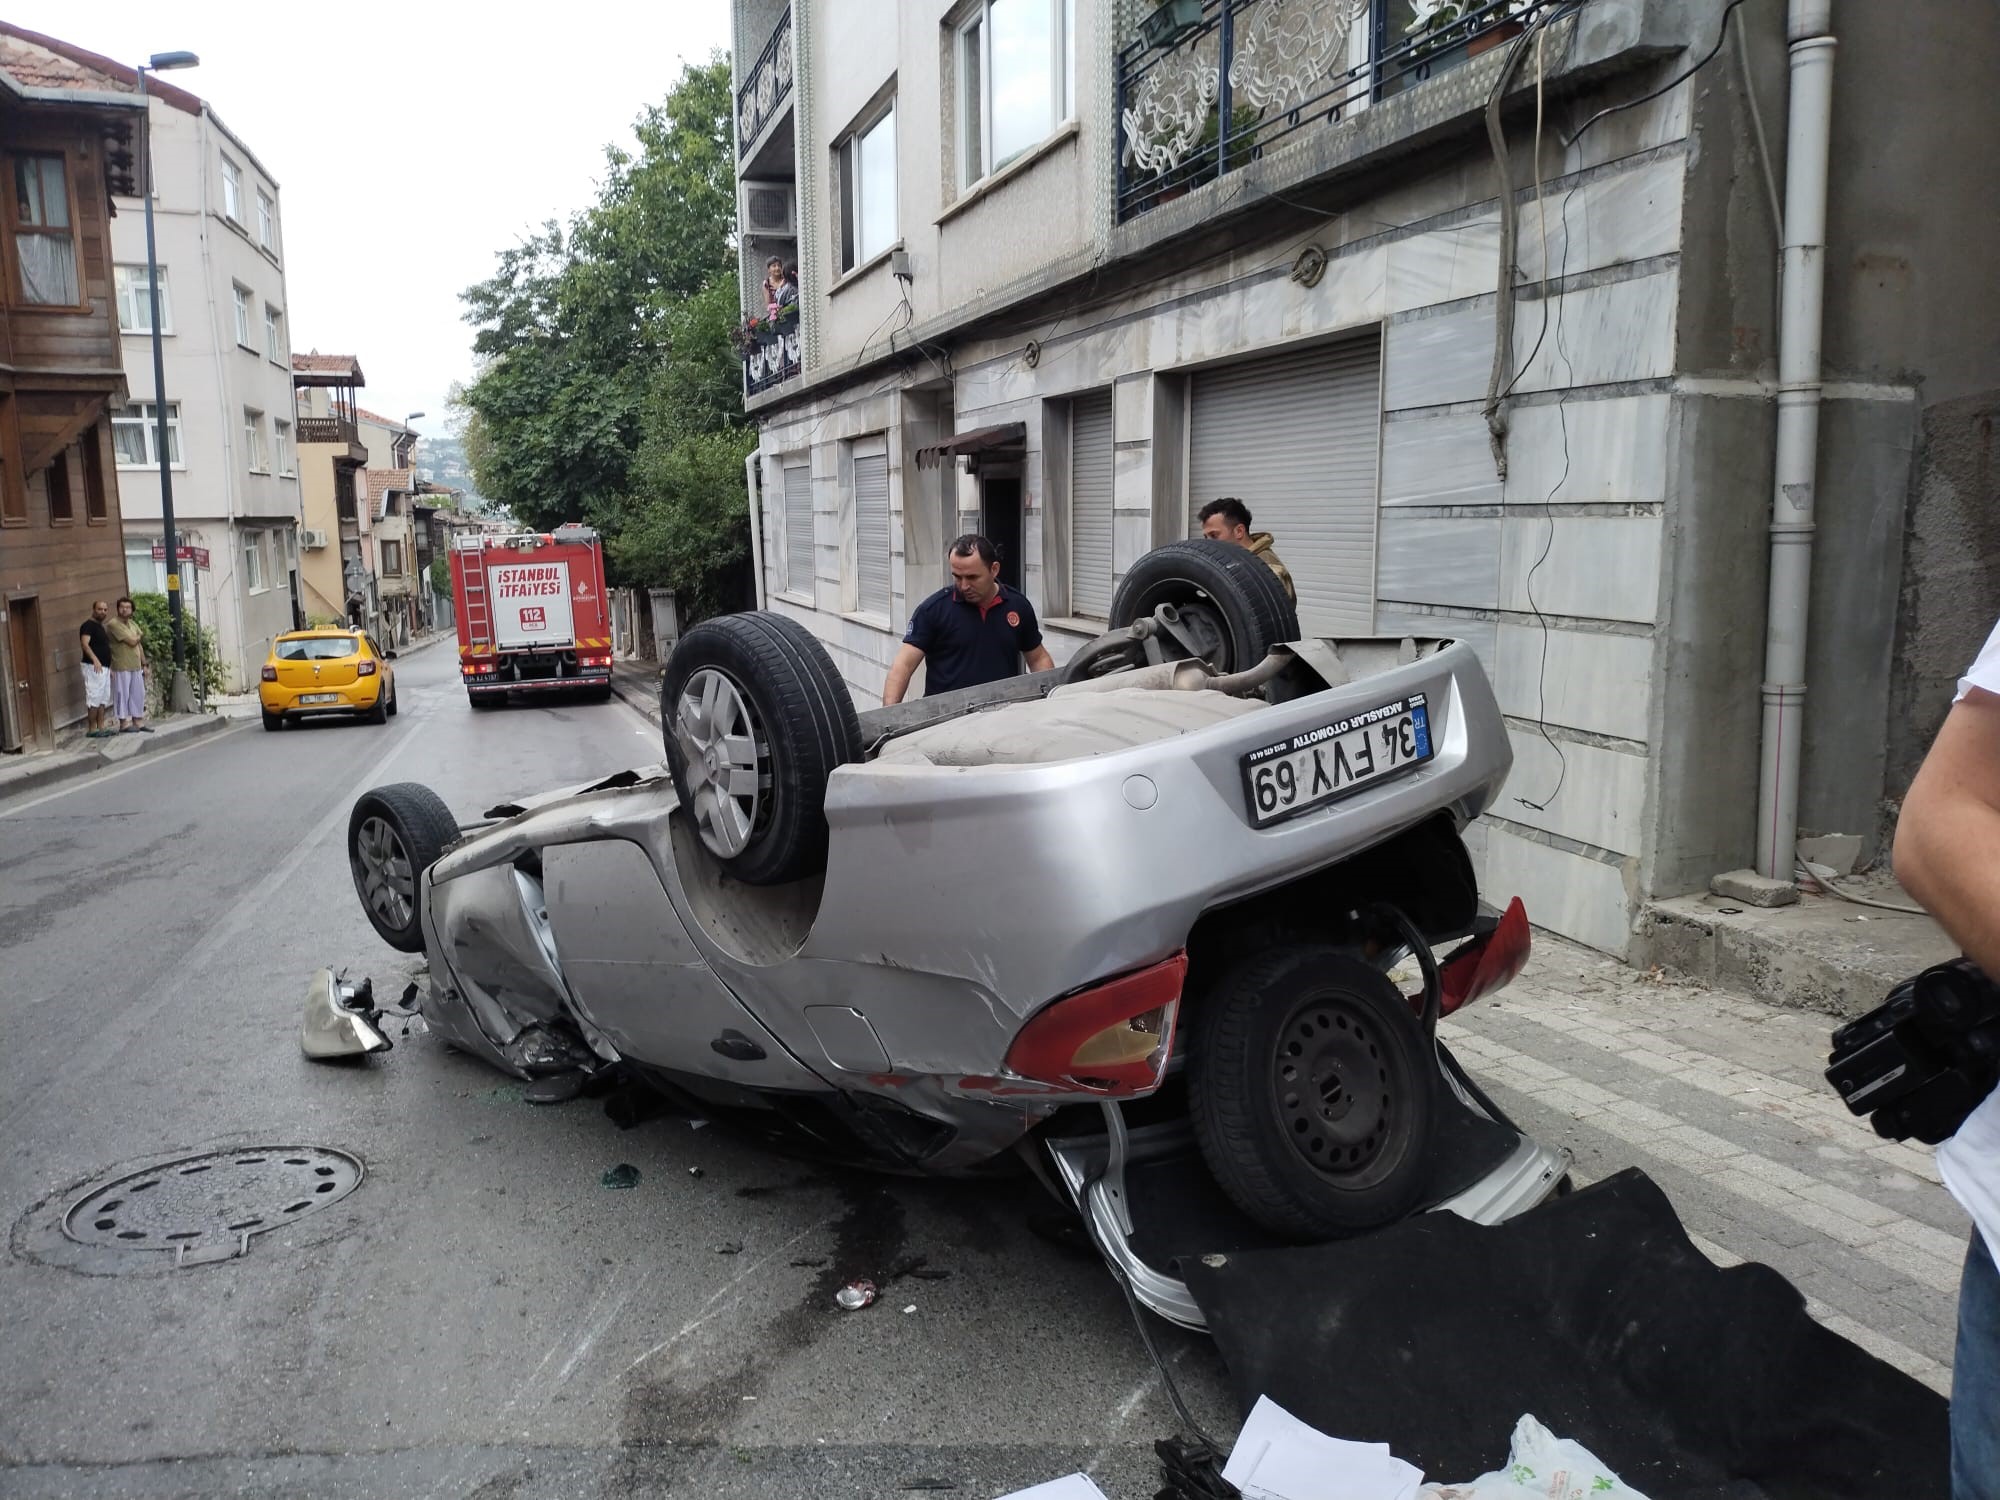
(532, 614)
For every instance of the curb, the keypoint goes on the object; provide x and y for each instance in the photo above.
(639, 691)
(74, 764)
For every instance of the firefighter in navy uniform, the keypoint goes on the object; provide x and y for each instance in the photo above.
(975, 630)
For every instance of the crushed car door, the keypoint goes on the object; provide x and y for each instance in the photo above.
(637, 976)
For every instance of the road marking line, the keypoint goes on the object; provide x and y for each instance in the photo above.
(78, 783)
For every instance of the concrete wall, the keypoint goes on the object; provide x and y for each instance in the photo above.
(210, 376)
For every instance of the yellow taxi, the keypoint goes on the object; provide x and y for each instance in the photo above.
(326, 672)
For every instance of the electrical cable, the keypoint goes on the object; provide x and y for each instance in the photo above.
(1668, 87)
(1757, 130)
(1803, 874)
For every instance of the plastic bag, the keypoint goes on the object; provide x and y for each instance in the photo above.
(1540, 1466)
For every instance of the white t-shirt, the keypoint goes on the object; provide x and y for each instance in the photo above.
(1969, 1162)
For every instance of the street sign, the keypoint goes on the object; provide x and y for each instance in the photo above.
(182, 553)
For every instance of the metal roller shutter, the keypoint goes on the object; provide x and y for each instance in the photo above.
(871, 525)
(1090, 505)
(1295, 436)
(798, 529)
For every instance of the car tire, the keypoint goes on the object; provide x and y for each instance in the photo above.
(379, 714)
(764, 678)
(1312, 1090)
(273, 722)
(394, 834)
(1225, 594)
(392, 700)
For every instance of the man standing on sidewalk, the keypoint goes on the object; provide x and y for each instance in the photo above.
(128, 670)
(1948, 857)
(95, 642)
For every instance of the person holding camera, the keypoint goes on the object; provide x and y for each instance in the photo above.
(1948, 856)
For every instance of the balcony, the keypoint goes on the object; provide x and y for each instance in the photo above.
(770, 354)
(328, 430)
(767, 84)
(1212, 85)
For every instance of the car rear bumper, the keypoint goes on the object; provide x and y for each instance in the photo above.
(283, 700)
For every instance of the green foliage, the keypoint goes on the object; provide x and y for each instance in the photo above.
(441, 575)
(608, 390)
(204, 658)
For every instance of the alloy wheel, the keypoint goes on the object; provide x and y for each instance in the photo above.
(724, 751)
(388, 884)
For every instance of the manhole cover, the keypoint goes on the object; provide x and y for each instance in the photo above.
(206, 1207)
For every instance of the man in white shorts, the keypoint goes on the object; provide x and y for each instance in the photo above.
(94, 644)
(1948, 857)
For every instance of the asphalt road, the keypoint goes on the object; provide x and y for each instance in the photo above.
(482, 1317)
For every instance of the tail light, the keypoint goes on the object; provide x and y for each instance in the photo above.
(593, 661)
(269, 674)
(1489, 963)
(1113, 1038)
(366, 669)
(476, 668)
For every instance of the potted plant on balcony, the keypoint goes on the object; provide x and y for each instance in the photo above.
(1478, 25)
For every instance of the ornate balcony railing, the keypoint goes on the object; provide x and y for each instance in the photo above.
(770, 358)
(328, 430)
(766, 86)
(1226, 80)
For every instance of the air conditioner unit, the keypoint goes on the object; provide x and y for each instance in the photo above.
(769, 209)
(311, 540)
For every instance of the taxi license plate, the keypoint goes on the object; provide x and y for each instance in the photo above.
(319, 698)
(1309, 770)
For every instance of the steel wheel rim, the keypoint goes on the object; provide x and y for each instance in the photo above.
(1341, 1090)
(382, 864)
(723, 754)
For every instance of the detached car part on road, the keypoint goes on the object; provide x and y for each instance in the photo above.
(1136, 917)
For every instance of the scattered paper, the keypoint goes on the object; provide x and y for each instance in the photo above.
(1278, 1457)
(1069, 1487)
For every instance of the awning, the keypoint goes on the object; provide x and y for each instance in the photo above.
(1007, 441)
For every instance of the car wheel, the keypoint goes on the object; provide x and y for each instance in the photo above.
(392, 700)
(1227, 596)
(273, 721)
(1311, 1091)
(394, 834)
(756, 718)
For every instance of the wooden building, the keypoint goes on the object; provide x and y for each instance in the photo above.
(68, 141)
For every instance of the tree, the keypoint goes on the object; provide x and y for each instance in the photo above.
(608, 391)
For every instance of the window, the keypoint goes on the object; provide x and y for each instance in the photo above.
(13, 494)
(44, 245)
(93, 476)
(135, 435)
(135, 304)
(798, 529)
(281, 445)
(232, 190)
(392, 559)
(244, 303)
(61, 509)
(868, 191)
(1016, 80)
(253, 562)
(274, 333)
(253, 441)
(267, 221)
(871, 524)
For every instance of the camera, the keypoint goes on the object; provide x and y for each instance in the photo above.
(1923, 1059)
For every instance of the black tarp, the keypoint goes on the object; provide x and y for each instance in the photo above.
(1597, 1314)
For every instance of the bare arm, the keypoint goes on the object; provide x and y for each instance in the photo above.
(1947, 838)
(1039, 660)
(901, 670)
(88, 654)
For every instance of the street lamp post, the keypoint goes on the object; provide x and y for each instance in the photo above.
(178, 697)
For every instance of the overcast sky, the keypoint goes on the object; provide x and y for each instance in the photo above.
(411, 142)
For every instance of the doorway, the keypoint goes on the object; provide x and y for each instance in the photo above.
(29, 669)
(1000, 522)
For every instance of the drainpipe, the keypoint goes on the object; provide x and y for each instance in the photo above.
(753, 474)
(1809, 30)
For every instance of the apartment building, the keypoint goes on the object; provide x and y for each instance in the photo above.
(1071, 268)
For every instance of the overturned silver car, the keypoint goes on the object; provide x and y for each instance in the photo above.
(1134, 919)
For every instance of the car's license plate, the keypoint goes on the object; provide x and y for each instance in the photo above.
(319, 698)
(1307, 770)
